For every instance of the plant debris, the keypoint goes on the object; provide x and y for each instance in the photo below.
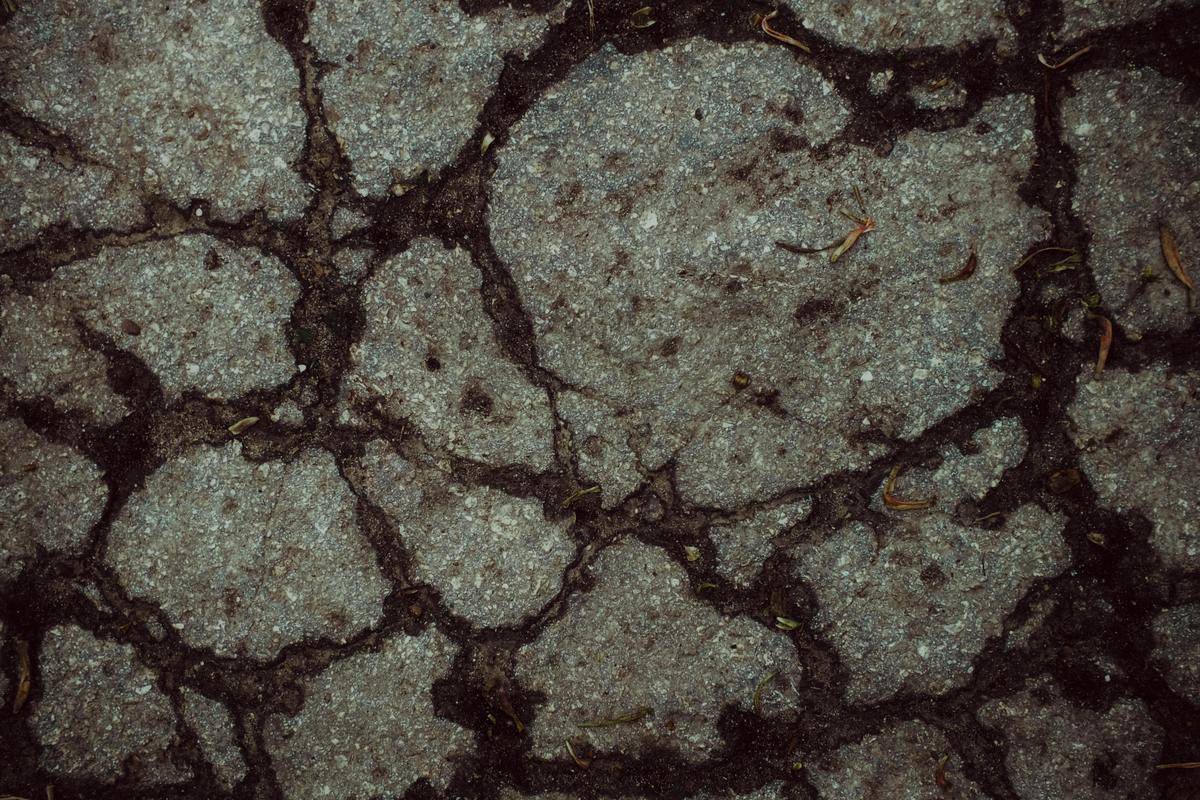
(242, 424)
(24, 675)
(740, 380)
(486, 142)
(1096, 538)
(1063, 481)
(1171, 253)
(1066, 60)
(899, 503)
(582, 763)
(786, 623)
(706, 586)
(939, 774)
(641, 17)
(865, 224)
(692, 552)
(636, 715)
(756, 699)
(763, 22)
(571, 498)
(967, 270)
(1041, 250)
(1180, 765)
(1106, 337)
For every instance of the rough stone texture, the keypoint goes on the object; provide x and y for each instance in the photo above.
(42, 356)
(898, 763)
(939, 95)
(214, 728)
(430, 354)
(1177, 648)
(606, 453)
(965, 473)
(1056, 749)
(36, 478)
(1140, 436)
(248, 558)
(883, 25)
(662, 211)
(100, 711)
(494, 558)
(910, 606)
(1118, 119)
(436, 67)
(742, 547)
(641, 599)
(41, 190)
(1085, 16)
(204, 316)
(185, 100)
(359, 715)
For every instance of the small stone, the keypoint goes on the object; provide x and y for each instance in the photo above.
(359, 714)
(640, 600)
(898, 763)
(1058, 749)
(220, 544)
(100, 715)
(50, 496)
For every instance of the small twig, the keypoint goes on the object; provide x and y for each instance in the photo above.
(1039, 251)
(1066, 60)
(898, 503)
(578, 494)
(1106, 337)
(763, 22)
(1180, 765)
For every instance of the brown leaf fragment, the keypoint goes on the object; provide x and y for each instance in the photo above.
(1170, 251)
(1063, 481)
(24, 675)
(1096, 538)
(1181, 765)
(242, 425)
(797, 249)
(967, 271)
(939, 774)
(898, 503)
(1106, 337)
(764, 23)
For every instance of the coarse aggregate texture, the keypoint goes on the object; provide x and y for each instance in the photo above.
(462, 400)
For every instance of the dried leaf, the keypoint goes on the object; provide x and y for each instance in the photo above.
(849, 241)
(756, 699)
(1181, 765)
(939, 774)
(900, 504)
(242, 424)
(1096, 538)
(1070, 262)
(803, 251)
(591, 5)
(582, 763)
(1106, 337)
(764, 23)
(692, 552)
(967, 271)
(578, 494)
(786, 624)
(486, 142)
(636, 715)
(1039, 251)
(1066, 60)
(740, 380)
(641, 17)
(24, 675)
(1171, 254)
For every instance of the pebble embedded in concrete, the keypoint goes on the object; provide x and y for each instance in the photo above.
(430, 355)
(909, 606)
(359, 713)
(1139, 434)
(672, 230)
(184, 101)
(35, 476)
(101, 714)
(1116, 119)
(248, 558)
(641, 598)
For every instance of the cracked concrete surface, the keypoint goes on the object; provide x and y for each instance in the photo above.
(462, 399)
